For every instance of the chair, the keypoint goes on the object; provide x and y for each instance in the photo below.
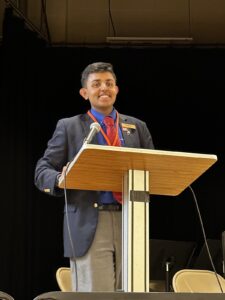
(197, 281)
(63, 278)
(5, 296)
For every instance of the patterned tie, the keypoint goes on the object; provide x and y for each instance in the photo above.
(111, 134)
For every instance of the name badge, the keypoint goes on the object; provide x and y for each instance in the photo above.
(128, 126)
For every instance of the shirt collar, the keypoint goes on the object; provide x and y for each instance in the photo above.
(99, 116)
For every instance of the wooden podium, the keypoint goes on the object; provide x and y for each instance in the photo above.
(136, 173)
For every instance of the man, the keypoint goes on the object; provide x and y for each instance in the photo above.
(92, 226)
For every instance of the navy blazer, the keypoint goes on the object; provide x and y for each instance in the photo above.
(62, 148)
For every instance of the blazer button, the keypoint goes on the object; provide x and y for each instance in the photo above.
(95, 205)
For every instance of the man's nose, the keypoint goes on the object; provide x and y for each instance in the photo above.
(103, 86)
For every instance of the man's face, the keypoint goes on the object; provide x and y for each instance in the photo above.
(101, 91)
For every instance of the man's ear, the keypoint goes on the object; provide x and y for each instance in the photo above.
(84, 93)
(117, 89)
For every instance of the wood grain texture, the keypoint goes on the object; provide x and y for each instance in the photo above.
(98, 167)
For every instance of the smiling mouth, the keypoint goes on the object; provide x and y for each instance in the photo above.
(104, 96)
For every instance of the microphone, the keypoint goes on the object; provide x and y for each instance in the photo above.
(94, 128)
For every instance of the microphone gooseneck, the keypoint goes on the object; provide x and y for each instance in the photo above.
(94, 128)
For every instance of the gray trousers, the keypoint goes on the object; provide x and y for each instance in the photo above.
(101, 267)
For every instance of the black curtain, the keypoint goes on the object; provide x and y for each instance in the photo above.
(179, 92)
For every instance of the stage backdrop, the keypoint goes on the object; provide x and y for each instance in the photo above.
(178, 92)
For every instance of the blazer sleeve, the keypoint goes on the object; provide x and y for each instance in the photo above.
(52, 162)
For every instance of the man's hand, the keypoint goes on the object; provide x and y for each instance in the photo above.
(61, 175)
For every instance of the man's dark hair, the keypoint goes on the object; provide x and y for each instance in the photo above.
(98, 67)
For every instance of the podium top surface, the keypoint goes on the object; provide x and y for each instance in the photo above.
(101, 168)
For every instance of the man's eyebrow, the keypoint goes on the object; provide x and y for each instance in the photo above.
(94, 80)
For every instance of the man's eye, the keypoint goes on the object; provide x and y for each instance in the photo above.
(96, 84)
(110, 84)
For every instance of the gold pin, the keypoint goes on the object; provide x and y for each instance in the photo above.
(130, 126)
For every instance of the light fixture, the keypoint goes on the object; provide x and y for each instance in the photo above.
(148, 40)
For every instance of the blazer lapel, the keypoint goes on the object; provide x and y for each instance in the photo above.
(128, 137)
(86, 126)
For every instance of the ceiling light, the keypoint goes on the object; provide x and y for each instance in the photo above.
(148, 40)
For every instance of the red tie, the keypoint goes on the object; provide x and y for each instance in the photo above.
(111, 134)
